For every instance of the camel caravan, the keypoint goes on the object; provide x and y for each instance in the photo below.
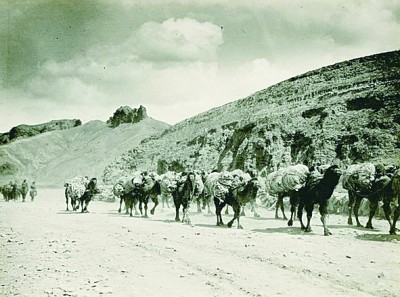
(368, 187)
(304, 187)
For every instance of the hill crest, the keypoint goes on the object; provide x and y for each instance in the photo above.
(347, 111)
(53, 157)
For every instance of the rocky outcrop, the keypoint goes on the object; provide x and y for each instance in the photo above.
(127, 115)
(23, 131)
(348, 112)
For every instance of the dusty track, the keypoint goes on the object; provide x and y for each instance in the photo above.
(46, 251)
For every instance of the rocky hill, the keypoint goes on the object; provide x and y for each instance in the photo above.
(127, 115)
(53, 157)
(348, 111)
(23, 131)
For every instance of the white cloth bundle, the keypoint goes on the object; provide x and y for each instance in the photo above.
(358, 175)
(290, 178)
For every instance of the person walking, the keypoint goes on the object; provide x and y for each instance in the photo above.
(33, 191)
(24, 190)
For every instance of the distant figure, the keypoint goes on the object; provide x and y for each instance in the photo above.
(24, 190)
(33, 191)
(14, 190)
(10, 188)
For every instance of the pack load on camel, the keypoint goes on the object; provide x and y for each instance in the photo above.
(377, 184)
(234, 188)
(80, 190)
(286, 182)
(130, 191)
(318, 190)
(357, 180)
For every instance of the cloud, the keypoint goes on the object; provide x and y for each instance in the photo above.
(20, 107)
(176, 60)
(34, 31)
(93, 89)
(178, 39)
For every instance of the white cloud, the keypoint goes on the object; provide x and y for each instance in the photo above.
(178, 39)
(171, 91)
(22, 108)
(173, 67)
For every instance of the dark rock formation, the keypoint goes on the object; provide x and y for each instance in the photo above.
(127, 115)
(348, 111)
(23, 131)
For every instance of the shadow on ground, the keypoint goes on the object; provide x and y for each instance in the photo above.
(379, 237)
(169, 221)
(264, 219)
(115, 214)
(287, 230)
(354, 227)
(64, 212)
(71, 212)
(214, 226)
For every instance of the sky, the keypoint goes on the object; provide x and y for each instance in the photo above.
(178, 58)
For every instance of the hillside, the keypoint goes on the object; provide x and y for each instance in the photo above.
(51, 158)
(347, 111)
(24, 131)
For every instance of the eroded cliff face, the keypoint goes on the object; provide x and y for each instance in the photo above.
(349, 112)
(23, 131)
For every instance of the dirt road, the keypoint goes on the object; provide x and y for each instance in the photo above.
(46, 251)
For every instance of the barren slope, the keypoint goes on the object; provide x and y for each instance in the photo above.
(51, 158)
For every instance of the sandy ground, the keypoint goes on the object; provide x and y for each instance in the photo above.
(46, 251)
